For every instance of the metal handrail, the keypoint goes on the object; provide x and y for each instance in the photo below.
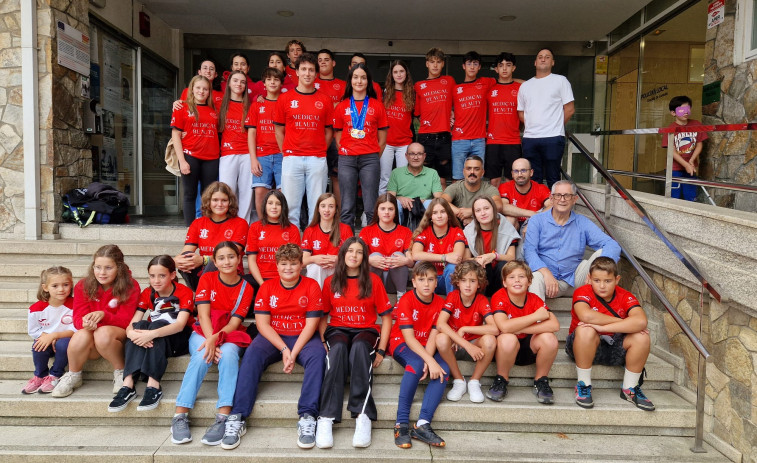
(647, 219)
(693, 181)
(688, 263)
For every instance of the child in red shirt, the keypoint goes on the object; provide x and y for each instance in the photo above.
(104, 302)
(608, 327)
(467, 330)
(322, 239)
(287, 312)
(267, 235)
(413, 345)
(352, 298)
(528, 332)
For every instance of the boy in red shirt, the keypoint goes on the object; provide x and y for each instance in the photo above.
(294, 50)
(287, 312)
(326, 82)
(433, 106)
(469, 106)
(412, 343)
(528, 332)
(688, 146)
(503, 135)
(608, 327)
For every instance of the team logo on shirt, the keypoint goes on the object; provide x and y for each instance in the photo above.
(316, 244)
(514, 92)
(200, 295)
(459, 90)
(428, 123)
(431, 247)
(262, 110)
(303, 301)
(262, 236)
(456, 315)
(398, 243)
(375, 242)
(67, 319)
(318, 105)
(337, 86)
(443, 81)
(371, 112)
(317, 86)
(285, 236)
(212, 295)
(495, 93)
(423, 86)
(295, 104)
(272, 301)
(346, 111)
(479, 86)
(337, 295)
(227, 234)
(415, 315)
(204, 233)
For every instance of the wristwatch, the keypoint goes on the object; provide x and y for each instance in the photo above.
(381, 352)
(284, 348)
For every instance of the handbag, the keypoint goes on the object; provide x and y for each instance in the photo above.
(220, 318)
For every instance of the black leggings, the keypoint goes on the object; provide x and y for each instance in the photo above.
(205, 172)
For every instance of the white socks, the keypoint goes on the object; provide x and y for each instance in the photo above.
(420, 423)
(584, 375)
(630, 379)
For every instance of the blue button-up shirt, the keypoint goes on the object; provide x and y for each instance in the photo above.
(560, 248)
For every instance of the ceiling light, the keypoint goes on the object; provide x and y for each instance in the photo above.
(507, 18)
(285, 13)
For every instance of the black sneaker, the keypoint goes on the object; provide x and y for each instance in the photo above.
(425, 434)
(122, 399)
(150, 400)
(542, 391)
(402, 436)
(498, 390)
(637, 397)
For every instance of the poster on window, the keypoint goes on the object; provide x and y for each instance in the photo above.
(109, 162)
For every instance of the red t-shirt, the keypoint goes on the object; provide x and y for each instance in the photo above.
(386, 243)
(258, 88)
(291, 73)
(211, 290)
(200, 138)
(533, 200)
(685, 142)
(375, 120)
(265, 240)
(413, 313)
(289, 307)
(347, 311)
(316, 242)
(622, 302)
(184, 302)
(501, 303)
(234, 136)
(504, 123)
(116, 313)
(215, 94)
(206, 234)
(260, 118)
(433, 104)
(306, 117)
(334, 88)
(460, 315)
(440, 244)
(469, 102)
(400, 122)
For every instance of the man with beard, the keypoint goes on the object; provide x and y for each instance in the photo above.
(521, 196)
(460, 195)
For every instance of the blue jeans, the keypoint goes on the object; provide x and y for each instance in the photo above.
(462, 150)
(228, 367)
(261, 353)
(444, 281)
(685, 191)
(545, 155)
(365, 167)
(42, 359)
(298, 175)
(413, 364)
(271, 177)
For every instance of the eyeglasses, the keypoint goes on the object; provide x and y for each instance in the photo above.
(564, 196)
(521, 171)
(416, 155)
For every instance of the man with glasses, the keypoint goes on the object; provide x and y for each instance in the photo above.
(555, 244)
(414, 181)
(521, 196)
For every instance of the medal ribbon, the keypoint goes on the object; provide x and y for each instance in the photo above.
(358, 120)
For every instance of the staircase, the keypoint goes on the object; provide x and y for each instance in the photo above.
(79, 427)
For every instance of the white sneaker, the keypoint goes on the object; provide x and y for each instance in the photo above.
(474, 391)
(66, 385)
(118, 380)
(458, 390)
(324, 439)
(362, 437)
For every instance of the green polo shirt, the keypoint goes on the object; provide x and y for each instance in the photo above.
(423, 185)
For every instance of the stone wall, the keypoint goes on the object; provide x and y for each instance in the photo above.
(730, 156)
(731, 337)
(65, 160)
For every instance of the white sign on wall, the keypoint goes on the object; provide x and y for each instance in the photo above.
(73, 49)
(715, 13)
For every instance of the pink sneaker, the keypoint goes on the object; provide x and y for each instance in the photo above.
(48, 384)
(33, 385)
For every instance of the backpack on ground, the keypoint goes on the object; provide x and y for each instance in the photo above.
(98, 203)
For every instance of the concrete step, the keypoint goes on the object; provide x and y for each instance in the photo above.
(18, 268)
(277, 406)
(16, 364)
(158, 245)
(123, 232)
(152, 444)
